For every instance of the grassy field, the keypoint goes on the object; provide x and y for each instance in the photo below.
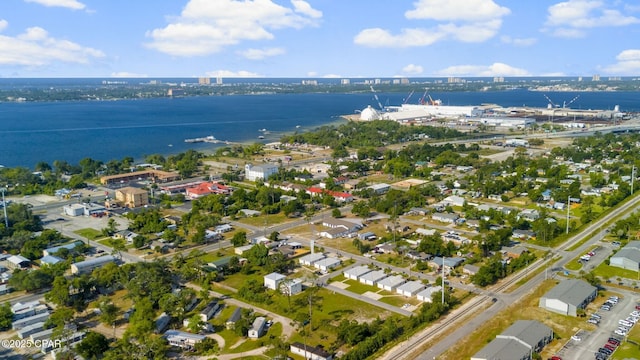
(89, 233)
(265, 220)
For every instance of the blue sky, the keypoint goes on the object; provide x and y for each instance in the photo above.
(318, 38)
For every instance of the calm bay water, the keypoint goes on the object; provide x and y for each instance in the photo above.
(106, 130)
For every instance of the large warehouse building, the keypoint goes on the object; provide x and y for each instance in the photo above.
(569, 296)
(628, 257)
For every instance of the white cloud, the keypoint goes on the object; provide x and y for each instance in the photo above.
(304, 8)
(412, 69)
(573, 17)
(461, 20)
(259, 54)
(409, 37)
(71, 4)
(126, 74)
(35, 47)
(233, 74)
(452, 10)
(628, 63)
(332, 76)
(495, 69)
(3, 24)
(206, 27)
(518, 41)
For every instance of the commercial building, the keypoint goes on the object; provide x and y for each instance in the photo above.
(628, 257)
(132, 197)
(569, 296)
(149, 174)
(518, 342)
(259, 172)
(88, 265)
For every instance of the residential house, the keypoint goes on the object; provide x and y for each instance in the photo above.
(87, 266)
(230, 324)
(410, 288)
(390, 283)
(426, 295)
(257, 328)
(327, 264)
(272, 281)
(209, 311)
(356, 272)
(181, 339)
(445, 217)
(372, 278)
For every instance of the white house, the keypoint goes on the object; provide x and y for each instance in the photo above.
(273, 280)
(183, 339)
(258, 327)
(356, 272)
(310, 352)
(327, 264)
(410, 288)
(426, 294)
(311, 259)
(391, 283)
(371, 278)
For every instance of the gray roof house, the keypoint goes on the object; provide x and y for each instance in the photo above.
(568, 296)
(628, 257)
(231, 322)
(391, 282)
(356, 272)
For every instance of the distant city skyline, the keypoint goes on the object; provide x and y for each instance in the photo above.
(319, 38)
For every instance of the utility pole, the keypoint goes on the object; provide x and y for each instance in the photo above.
(443, 279)
(4, 206)
(633, 175)
(568, 208)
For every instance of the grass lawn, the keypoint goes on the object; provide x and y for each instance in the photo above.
(527, 309)
(360, 288)
(627, 349)
(238, 279)
(606, 272)
(89, 233)
(265, 220)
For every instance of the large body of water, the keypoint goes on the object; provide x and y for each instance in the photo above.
(105, 130)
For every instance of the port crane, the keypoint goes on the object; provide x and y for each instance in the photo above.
(375, 96)
(564, 103)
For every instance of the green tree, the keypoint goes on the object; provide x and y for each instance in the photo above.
(196, 324)
(239, 238)
(6, 316)
(59, 293)
(108, 311)
(93, 345)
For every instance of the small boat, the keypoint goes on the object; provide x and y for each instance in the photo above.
(260, 137)
(298, 126)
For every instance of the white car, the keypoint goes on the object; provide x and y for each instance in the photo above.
(576, 338)
(620, 332)
(625, 323)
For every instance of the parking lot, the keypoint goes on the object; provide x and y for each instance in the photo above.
(585, 344)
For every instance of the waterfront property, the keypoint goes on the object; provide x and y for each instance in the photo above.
(149, 174)
(259, 172)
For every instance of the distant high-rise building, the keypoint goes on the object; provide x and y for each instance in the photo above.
(309, 82)
(455, 80)
(204, 81)
(345, 81)
(376, 81)
(395, 81)
(579, 78)
(219, 80)
(595, 77)
(498, 79)
(404, 81)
